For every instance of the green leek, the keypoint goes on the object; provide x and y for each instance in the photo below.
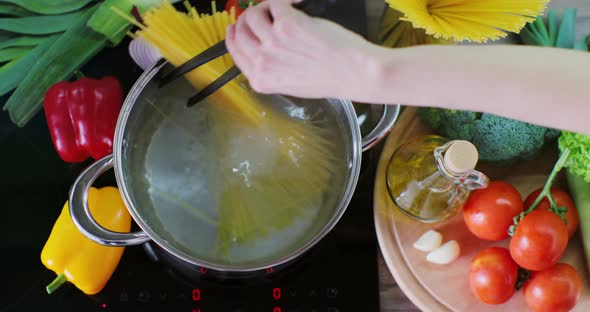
(68, 53)
(12, 73)
(40, 25)
(24, 41)
(49, 6)
(551, 34)
(113, 26)
(10, 54)
(567, 30)
(14, 10)
(5, 36)
(580, 191)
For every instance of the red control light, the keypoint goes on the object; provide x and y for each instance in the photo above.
(277, 309)
(276, 293)
(196, 294)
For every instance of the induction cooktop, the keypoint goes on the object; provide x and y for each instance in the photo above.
(338, 274)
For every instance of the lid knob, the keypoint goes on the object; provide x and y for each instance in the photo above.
(461, 157)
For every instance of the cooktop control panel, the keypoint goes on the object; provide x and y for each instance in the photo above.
(275, 299)
(317, 282)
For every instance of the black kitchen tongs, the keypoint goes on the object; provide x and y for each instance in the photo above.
(310, 7)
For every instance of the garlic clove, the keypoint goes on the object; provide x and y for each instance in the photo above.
(429, 241)
(444, 254)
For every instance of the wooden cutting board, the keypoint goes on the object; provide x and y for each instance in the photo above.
(446, 287)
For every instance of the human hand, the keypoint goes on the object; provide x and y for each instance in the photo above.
(282, 50)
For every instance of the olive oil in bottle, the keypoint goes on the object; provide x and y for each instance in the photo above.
(430, 177)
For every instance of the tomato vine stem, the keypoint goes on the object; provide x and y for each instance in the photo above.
(546, 192)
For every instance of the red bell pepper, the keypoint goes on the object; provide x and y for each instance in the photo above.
(82, 117)
(240, 5)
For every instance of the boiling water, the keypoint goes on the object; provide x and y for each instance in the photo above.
(186, 166)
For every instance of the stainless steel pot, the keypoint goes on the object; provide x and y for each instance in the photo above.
(152, 150)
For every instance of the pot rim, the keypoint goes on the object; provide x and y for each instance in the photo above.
(131, 101)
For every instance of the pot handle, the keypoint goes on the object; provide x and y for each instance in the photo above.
(80, 212)
(383, 127)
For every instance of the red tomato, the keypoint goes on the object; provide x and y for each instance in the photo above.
(539, 241)
(556, 289)
(240, 5)
(488, 212)
(563, 200)
(493, 275)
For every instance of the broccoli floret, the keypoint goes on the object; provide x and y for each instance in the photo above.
(431, 116)
(503, 140)
(499, 140)
(578, 161)
(454, 124)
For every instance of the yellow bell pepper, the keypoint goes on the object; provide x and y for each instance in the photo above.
(79, 260)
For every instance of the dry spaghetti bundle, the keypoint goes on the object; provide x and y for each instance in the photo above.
(397, 33)
(273, 166)
(469, 20)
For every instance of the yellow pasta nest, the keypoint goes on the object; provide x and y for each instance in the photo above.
(469, 20)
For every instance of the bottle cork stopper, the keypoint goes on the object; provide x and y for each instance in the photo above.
(461, 157)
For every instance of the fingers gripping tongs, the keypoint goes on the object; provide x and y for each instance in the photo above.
(310, 7)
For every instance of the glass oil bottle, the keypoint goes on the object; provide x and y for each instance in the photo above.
(430, 177)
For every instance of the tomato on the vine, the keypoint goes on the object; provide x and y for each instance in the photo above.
(562, 199)
(493, 275)
(240, 5)
(539, 241)
(488, 212)
(555, 289)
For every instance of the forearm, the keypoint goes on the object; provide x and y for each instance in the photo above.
(544, 86)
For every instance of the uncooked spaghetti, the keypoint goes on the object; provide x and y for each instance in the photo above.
(469, 20)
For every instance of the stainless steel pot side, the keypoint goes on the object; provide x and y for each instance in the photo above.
(87, 225)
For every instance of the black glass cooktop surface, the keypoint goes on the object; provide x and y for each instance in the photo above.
(338, 274)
